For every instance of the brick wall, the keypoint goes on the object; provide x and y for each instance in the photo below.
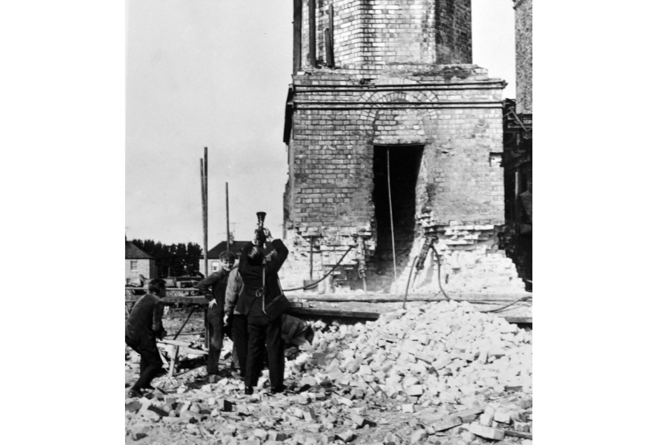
(369, 34)
(523, 56)
(453, 25)
(402, 81)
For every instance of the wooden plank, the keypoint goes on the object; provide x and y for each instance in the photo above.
(187, 300)
(175, 342)
(385, 298)
(518, 313)
(371, 311)
(183, 349)
(381, 298)
(315, 312)
(173, 360)
(517, 320)
(169, 289)
(518, 434)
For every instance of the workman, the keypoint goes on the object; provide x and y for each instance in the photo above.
(236, 322)
(218, 282)
(259, 289)
(143, 326)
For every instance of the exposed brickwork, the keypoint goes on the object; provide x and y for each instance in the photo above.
(523, 56)
(391, 93)
(371, 34)
(453, 22)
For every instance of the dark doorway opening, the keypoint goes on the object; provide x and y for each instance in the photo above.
(404, 161)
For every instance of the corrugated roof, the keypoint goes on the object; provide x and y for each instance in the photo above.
(133, 252)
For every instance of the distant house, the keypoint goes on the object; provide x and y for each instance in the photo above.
(216, 251)
(138, 262)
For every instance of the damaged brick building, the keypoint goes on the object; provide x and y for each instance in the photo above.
(387, 115)
(517, 162)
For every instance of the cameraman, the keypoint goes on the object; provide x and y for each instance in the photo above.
(262, 331)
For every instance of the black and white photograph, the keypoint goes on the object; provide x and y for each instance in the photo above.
(329, 222)
(334, 222)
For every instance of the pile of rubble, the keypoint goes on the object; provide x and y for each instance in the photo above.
(439, 373)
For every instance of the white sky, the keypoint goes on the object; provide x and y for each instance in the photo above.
(216, 74)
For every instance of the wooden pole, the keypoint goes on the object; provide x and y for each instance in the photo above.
(297, 35)
(227, 216)
(312, 33)
(206, 238)
(204, 217)
(206, 209)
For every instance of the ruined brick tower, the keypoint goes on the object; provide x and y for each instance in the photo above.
(384, 96)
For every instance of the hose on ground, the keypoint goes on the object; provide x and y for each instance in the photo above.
(312, 285)
(507, 305)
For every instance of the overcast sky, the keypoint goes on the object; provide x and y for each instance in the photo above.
(212, 73)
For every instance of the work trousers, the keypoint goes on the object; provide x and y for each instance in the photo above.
(263, 332)
(215, 323)
(150, 363)
(240, 338)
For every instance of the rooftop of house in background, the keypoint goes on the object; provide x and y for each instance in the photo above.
(218, 249)
(133, 252)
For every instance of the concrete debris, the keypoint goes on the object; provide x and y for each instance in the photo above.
(418, 436)
(447, 423)
(486, 431)
(346, 436)
(441, 373)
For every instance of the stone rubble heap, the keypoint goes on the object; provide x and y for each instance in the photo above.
(439, 373)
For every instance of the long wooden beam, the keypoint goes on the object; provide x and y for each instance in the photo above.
(383, 298)
(520, 313)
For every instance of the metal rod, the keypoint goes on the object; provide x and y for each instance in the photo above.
(227, 216)
(390, 203)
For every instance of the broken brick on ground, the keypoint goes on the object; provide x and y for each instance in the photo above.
(441, 373)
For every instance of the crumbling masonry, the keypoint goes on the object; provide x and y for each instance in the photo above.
(384, 95)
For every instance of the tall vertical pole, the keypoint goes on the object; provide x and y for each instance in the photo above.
(206, 209)
(227, 216)
(204, 217)
(205, 222)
